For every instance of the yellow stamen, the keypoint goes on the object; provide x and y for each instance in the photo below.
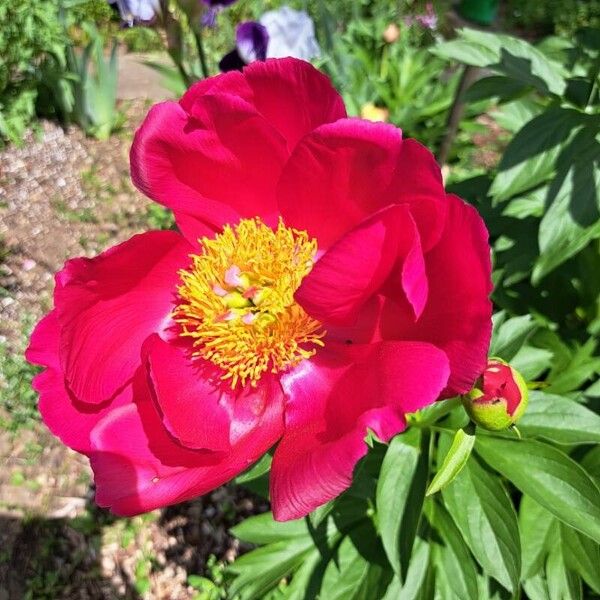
(236, 301)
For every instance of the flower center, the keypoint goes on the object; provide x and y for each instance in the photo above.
(236, 301)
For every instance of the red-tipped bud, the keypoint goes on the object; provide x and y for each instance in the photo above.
(499, 397)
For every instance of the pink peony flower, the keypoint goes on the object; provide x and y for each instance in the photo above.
(323, 285)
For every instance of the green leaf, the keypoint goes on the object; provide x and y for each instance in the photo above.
(573, 216)
(591, 463)
(394, 590)
(263, 529)
(321, 513)
(465, 52)
(582, 555)
(531, 362)
(262, 569)
(506, 55)
(454, 564)
(544, 132)
(401, 485)
(523, 176)
(256, 470)
(549, 476)
(454, 461)
(496, 86)
(529, 204)
(535, 526)
(530, 156)
(514, 115)
(509, 335)
(579, 366)
(303, 577)
(483, 512)
(536, 588)
(562, 583)
(351, 576)
(593, 391)
(417, 572)
(560, 420)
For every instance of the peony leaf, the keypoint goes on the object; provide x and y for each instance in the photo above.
(399, 497)
(582, 555)
(549, 476)
(562, 583)
(455, 569)
(535, 527)
(482, 510)
(509, 335)
(560, 420)
(454, 461)
(351, 575)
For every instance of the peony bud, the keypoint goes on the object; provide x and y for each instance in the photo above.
(499, 397)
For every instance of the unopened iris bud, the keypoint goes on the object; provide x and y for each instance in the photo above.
(499, 397)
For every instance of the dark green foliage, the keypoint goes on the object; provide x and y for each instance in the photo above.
(553, 16)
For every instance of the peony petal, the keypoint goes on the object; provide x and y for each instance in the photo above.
(193, 229)
(233, 83)
(138, 467)
(108, 305)
(343, 172)
(293, 96)
(358, 264)
(218, 162)
(69, 420)
(290, 94)
(457, 317)
(418, 182)
(190, 405)
(333, 400)
(337, 177)
(44, 342)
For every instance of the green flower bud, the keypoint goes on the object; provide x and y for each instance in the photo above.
(499, 397)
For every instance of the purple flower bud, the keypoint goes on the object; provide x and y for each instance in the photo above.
(499, 397)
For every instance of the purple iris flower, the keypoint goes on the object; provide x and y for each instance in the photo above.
(251, 41)
(282, 32)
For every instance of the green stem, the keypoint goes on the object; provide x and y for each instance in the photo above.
(201, 53)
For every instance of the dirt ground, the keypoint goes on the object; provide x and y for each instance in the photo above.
(64, 195)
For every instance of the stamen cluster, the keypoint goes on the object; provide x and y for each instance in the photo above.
(237, 301)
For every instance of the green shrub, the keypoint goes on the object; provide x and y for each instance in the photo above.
(94, 11)
(30, 33)
(141, 39)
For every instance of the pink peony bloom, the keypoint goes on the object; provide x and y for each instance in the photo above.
(323, 285)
